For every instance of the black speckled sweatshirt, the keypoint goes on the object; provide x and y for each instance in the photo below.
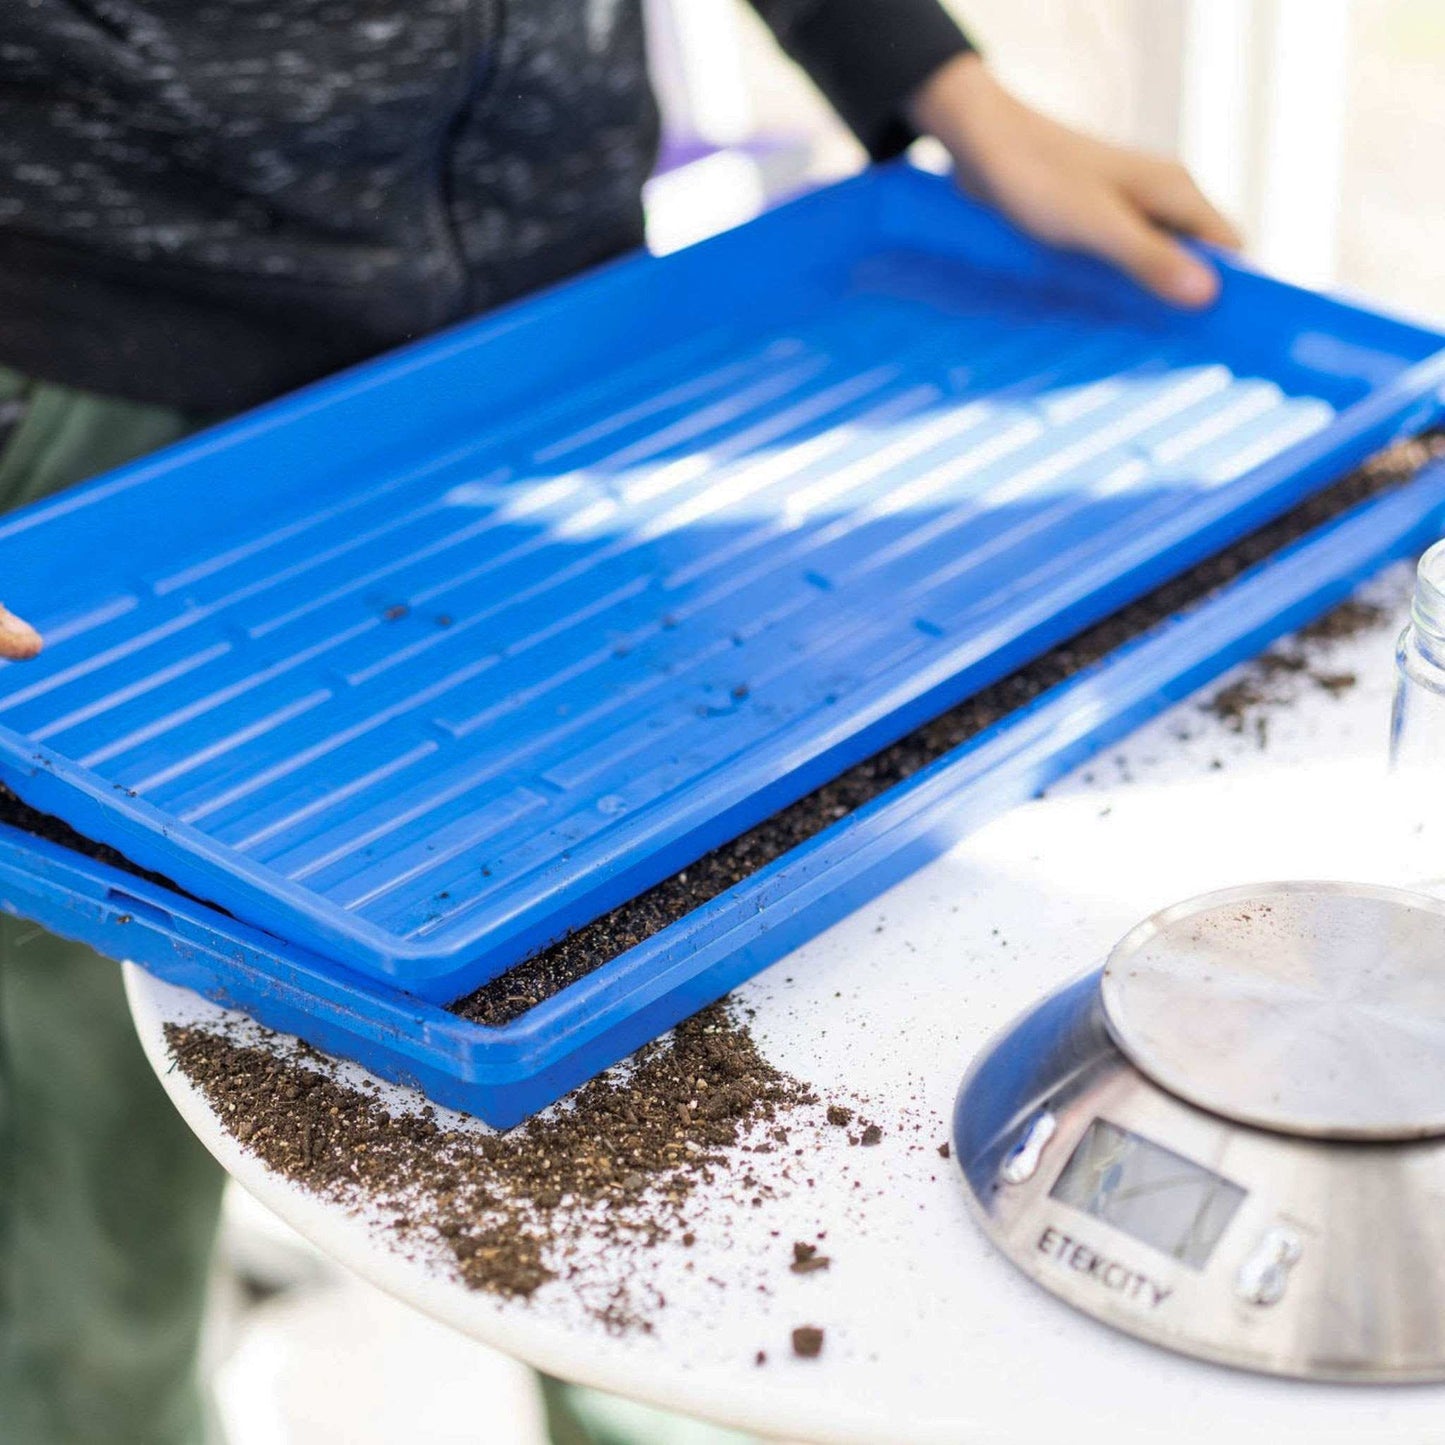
(206, 202)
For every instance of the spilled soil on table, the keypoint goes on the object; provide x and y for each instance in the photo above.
(589, 947)
(610, 1171)
(1274, 679)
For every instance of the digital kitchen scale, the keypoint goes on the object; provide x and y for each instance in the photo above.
(1230, 1141)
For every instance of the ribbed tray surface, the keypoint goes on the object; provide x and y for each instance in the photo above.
(441, 705)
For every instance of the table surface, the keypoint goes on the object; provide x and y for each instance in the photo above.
(930, 1336)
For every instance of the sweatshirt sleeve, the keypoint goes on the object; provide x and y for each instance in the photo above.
(867, 57)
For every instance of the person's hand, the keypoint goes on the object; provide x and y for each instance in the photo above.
(19, 641)
(1069, 189)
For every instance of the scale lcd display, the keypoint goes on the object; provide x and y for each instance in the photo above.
(1150, 1193)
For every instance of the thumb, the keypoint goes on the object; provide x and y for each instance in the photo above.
(1116, 230)
(19, 641)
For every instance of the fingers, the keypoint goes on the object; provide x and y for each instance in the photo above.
(19, 641)
(1071, 190)
(1168, 193)
(1108, 224)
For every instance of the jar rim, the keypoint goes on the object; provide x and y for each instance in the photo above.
(1428, 608)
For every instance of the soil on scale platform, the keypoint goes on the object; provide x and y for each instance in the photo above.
(589, 947)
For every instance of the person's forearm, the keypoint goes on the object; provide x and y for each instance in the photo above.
(958, 104)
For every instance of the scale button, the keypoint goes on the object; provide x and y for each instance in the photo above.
(1023, 1158)
(1264, 1276)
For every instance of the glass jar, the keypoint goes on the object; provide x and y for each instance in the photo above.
(1417, 723)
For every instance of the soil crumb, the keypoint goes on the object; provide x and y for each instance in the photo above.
(807, 1260)
(589, 947)
(609, 1171)
(1274, 679)
(1352, 617)
(808, 1342)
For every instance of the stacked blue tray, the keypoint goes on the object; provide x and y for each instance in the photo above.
(422, 668)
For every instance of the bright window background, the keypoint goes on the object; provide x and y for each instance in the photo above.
(1392, 219)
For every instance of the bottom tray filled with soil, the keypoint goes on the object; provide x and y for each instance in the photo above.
(545, 1026)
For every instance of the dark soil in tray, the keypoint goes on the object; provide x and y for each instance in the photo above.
(19, 814)
(55, 830)
(546, 973)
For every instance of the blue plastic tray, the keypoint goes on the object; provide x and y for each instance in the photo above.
(432, 663)
(504, 1074)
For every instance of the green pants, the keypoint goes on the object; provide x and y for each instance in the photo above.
(585, 1417)
(108, 1204)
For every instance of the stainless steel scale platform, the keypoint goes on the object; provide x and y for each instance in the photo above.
(1230, 1141)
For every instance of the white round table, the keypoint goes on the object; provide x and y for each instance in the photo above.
(929, 1335)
